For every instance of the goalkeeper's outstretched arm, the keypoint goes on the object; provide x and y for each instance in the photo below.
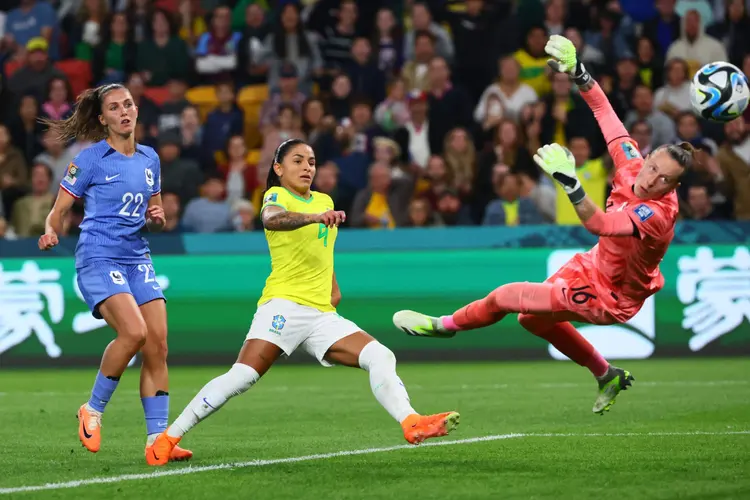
(565, 60)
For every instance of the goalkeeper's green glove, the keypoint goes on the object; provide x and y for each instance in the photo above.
(564, 60)
(559, 164)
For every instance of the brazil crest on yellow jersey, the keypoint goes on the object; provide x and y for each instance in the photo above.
(302, 259)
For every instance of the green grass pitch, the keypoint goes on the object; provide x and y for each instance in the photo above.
(682, 431)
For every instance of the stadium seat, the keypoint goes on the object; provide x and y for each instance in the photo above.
(78, 73)
(253, 137)
(252, 94)
(157, 94)
(253, 157)
(204, 98)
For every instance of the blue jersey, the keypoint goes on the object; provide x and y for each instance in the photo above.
(116, 190)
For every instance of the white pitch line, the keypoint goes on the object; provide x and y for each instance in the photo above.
(346, 453)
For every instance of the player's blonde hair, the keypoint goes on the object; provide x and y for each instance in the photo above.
(84, 123)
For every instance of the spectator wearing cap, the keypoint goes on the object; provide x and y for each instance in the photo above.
(56, 156)
(415, 71)
(663, 128)
(449, 105)
(216, 51)
(178, 175)
(664, 28)
(416, 136)
(695, 46)
(734, 31)
(393, 112)
(367, 79)
(32, 19)
(210, 213)
(734, 159)
(288, 94)
(383, 204)
(34, 77)
(421, 20)
(163, 55)
(226, 120)
(30, 212)
(290, 43)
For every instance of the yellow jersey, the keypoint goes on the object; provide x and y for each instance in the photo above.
(302, 259)
(593, 177)
(534, 72)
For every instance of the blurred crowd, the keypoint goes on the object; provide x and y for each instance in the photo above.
(421, 113)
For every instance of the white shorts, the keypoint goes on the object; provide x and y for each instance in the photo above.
(290, 325)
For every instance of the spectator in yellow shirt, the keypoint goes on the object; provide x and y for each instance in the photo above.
(533, 61)
(593, 177)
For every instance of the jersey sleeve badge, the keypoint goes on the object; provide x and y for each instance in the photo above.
(271, 198)
(630, 151)
(72, 174)
(149, 177)
(643, 212)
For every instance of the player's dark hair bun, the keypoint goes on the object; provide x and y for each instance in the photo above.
(278, 157)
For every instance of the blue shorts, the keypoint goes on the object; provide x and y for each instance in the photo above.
(100, 280)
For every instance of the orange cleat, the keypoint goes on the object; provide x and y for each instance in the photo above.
(89, 428)
(164, 449)
(417, 428)
(180, 455)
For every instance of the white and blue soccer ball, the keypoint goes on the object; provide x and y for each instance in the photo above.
(719, 92)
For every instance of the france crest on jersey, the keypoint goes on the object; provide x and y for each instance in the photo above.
(116, 190)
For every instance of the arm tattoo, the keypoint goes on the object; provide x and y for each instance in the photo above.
(287, 221)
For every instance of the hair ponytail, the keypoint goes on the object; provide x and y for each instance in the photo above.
(685, 154)
(84, 122)
(273, 178)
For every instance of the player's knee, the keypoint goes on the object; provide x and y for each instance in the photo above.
(134, 332)
(376, 356)
(155, 348)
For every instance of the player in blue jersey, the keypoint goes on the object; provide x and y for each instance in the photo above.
(119, 182)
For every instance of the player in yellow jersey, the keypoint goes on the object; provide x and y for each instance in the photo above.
(298, 309)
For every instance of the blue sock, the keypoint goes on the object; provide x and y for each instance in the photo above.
(156, 411)
(103, 389)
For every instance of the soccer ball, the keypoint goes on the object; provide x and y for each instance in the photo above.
(719, 92)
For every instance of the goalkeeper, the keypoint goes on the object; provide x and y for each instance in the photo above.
(609, 283)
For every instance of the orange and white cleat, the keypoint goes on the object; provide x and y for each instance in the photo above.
(89, 428)
(417, 428)
(164, 449)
